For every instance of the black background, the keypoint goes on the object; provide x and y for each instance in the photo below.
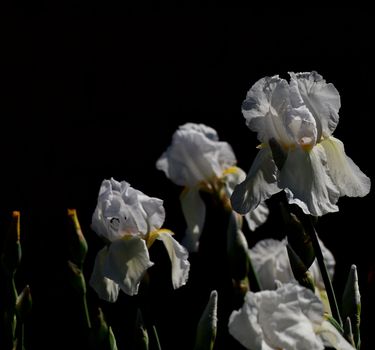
(96, 92)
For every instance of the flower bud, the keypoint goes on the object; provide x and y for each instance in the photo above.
(207, 326)
(77, 242)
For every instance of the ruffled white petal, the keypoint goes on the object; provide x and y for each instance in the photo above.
(305, 177)
(301, 126)
(244, 325)
(288, 316)
(332, 338)
(290, 329)
(346, 175)
(179, 259)
(270, 261)
(282, 319)
(126, 263)
(207, 131)
(322, 99)
(194, 156)
(155, 212)
(103, 286)
(194, 211)
(259, 185)
(258, 104)
(122, 210)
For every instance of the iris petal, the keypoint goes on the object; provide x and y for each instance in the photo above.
(259, 185)
(126, 263)
(347, 176)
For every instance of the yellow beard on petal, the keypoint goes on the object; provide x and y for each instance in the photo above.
(153, 235)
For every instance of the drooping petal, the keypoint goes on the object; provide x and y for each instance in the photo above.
(244, 325)
(231, 178)
(194, 211)
(257, 217)
(332, 338)
(307, 182)
(103, 286)
(126, 263)
(179, 259)
(346, 175)
(259, 185)
(322, 99)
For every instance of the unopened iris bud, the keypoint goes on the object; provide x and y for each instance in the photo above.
(300, 272)
(351, 304)
(207, 326)
(11, 255)
(101, 336)
(141, 335)
(24, 303)
(237, 249)
(298, 239)
(77, 242)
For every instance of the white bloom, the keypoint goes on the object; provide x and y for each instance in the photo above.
(197, 160)
(289, 318)
(130, 221)
(300, 117)
(270, 261)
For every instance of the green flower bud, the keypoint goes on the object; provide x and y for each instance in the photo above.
(207, 326)
(77, 242)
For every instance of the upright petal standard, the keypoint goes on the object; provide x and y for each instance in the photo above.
(294, 122)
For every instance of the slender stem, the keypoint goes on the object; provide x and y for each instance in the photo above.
(156, 337)
(86, 312)
(323, 269)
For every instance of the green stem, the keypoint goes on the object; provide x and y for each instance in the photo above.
(155, 337)
(323, 269)
(86, 312)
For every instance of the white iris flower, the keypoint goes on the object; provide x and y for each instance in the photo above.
(298, 117)
(197, 160)
(288, 318)
(130, 222)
